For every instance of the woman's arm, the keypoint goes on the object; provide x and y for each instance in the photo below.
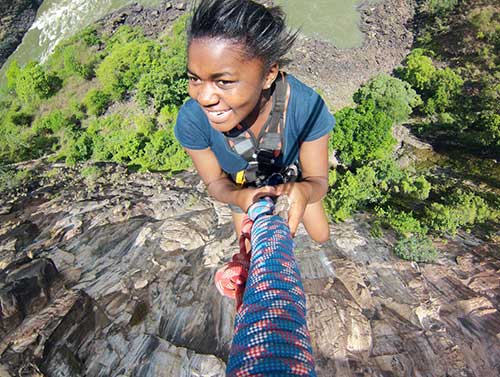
(220, 186)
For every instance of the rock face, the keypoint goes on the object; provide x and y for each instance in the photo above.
(16, 17)
(113, 276)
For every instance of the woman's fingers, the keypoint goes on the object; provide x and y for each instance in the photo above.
(262, 192)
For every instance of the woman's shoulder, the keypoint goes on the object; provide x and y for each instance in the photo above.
(299, 89)
(190, 110)
(192, 128)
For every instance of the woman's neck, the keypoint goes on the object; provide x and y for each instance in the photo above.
(257, 118)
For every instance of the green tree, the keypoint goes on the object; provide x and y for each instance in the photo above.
(165, 82)
(96, 102)
(122, 68)
(33, 83)
(392, 96)
(458, 209)
(444, 89)
(418, 69)
(439, 8)
(11, 75)
(362, 134)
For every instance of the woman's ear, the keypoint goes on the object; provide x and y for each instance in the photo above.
(271, 75)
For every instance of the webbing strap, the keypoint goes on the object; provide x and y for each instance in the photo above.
(243, 141)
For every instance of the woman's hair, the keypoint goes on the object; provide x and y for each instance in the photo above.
(261, 30)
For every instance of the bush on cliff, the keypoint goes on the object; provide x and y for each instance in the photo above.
(362, 134)
(459, 209)
(375, 184)
(96, 102)
(122, 68)
(392, 96)
(32, 83)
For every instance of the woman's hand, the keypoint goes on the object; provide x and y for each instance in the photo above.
(247, 196)
(299, 194)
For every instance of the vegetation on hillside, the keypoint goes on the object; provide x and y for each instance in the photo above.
(69, 108)
(461, 100)
(116, 97)
(449, 96)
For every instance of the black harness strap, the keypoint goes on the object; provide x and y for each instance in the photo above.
(263, 152)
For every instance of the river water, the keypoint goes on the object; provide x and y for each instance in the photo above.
(336, 21)
(333, 20)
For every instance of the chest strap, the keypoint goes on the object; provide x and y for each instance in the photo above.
(264, 152)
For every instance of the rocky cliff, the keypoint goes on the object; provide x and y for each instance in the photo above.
(16, 17)
(112, 275)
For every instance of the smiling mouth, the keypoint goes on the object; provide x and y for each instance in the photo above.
(218, 116)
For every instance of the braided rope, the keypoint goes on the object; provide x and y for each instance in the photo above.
(271, 336)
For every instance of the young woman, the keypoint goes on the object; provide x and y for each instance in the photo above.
(235, 127)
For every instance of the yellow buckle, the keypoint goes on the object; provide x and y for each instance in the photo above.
(240, 177)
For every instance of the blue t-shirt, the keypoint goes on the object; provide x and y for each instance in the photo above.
(307, 119)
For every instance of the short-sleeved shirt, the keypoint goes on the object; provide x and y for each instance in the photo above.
(307, 119)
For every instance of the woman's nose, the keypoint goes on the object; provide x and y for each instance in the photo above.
(207, 95)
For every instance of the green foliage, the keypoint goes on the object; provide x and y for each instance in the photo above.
(135, 142)
(96, 102)
(404, 223)
(416, 188)
(486, 22)
(491, 128)
(459, 209)
(417, 249)
(14, 143)
(51, 123)
(74, 66)
(165, 81)
(350, 192)
(33, 83)
(129, 63)
(15, 134)
(392, 96)
(11, 74)
(75, 147)
(161, 87)
(123, 35)
(362, 134)
(90, 36)
(373, 185)
(444, 89)
(168, 115)
(10, 179)
(76, 56)
(462, 104)
(438, 8)
(163, 153)
(122, 68)
(418, 69)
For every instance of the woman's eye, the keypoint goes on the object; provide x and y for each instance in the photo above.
(224, 83)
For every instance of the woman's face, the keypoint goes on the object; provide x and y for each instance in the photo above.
(225, 82)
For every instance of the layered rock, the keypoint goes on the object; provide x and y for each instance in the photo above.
(114, 275)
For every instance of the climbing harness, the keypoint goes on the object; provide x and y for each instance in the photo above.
(264, 153)
(270, 334)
